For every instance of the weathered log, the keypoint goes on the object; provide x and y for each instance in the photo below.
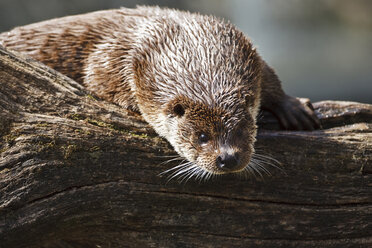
(76, 171)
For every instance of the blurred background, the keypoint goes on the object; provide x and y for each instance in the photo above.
(321, 49)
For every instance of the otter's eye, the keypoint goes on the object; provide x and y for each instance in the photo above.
(179, 110)
(203, 138)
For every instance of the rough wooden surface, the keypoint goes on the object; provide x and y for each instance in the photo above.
(79, 172)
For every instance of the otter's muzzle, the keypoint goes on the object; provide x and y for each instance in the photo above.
(228, 162)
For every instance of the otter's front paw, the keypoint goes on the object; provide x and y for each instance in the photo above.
(295, 114)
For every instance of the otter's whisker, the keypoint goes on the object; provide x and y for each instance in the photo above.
(267, 159)
(189, 173)
(174, 170)
(173, 159)
(192, 173)
(205, 175)
(267, 163)
(181, 165)
(190, 170)
(208, 176)
(186, 167)
(259, 116)
(262, 160)
(243, 173)
(259, 166)
(250, 170)
(201, 174)
(246, 172)
(167, 156)
(186, 178)
(253, 166)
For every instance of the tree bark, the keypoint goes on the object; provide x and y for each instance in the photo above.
(76, 171)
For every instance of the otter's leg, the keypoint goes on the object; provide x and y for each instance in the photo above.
(291, 113)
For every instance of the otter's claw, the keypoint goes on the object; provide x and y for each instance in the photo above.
(296, 114)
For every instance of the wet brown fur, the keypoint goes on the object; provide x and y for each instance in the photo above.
(150, 60)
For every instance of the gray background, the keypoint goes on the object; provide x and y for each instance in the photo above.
(321, 49)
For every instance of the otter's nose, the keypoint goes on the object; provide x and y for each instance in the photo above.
(227, 162)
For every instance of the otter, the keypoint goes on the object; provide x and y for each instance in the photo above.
(197, 80)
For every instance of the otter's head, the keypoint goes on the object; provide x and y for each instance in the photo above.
(197, 82)
(214, 139)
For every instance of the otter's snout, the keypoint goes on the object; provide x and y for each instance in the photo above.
(228, 162)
